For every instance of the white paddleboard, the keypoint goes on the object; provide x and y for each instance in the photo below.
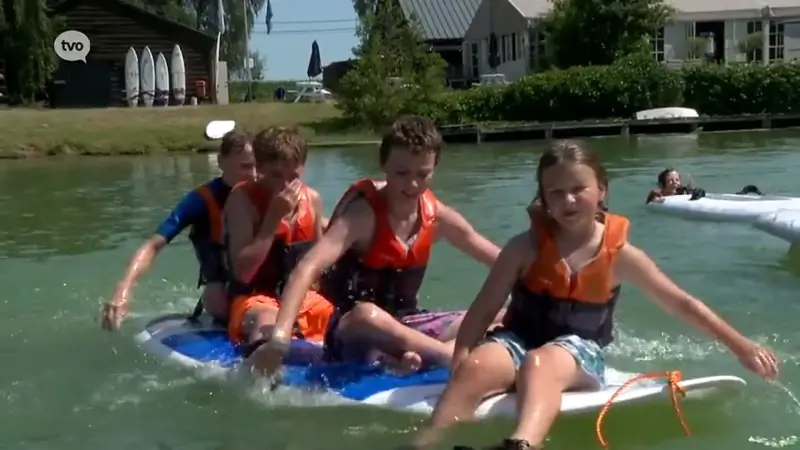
(162, 80)
(723, 207)
(132, 77)
(147, 74)
(216, 129)
(177, 72)
(205, 346)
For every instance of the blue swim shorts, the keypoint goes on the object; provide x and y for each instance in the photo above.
(587, 354)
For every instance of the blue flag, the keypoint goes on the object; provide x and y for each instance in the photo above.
(269, 17)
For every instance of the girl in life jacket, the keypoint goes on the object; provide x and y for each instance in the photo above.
(564, 275)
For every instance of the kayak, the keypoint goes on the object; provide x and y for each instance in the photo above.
(783, 224)
(203, 345)
(724, 207)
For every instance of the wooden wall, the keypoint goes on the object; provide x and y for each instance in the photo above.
(113, 26)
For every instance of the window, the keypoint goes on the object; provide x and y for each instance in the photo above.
(775, 41)
(532, 49)
(537, 48)
(520, 46)
(503, 46)
(513, 53)
(541, 48)
(484, 52)
(754, 26)
(657, 41)
(474, 60)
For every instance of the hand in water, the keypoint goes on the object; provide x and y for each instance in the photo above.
(760, 360)
(113, 312)
(267, 359)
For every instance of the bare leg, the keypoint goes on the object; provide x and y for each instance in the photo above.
(370, 326)
(488, 370)
(544, 375)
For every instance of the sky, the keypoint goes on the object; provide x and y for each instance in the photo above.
(295, 25)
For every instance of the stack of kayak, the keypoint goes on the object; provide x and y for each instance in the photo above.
(201, 344)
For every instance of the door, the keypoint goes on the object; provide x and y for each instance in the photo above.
(79, 84)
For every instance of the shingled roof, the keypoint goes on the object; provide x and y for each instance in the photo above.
(441, 19)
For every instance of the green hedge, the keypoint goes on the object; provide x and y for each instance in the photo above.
(618, 91)
(263, 91)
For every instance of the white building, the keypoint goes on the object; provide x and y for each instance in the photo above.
(520, 42)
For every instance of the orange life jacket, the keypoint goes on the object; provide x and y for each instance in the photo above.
(208, 243)
(291, 242)
(550, 301)
(389, 273)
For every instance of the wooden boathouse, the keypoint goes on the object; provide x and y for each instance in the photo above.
(112, 27)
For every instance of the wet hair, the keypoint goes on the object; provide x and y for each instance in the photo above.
(280, 144)
(415, 134)
(575, 153)
(662, 176)
(235, 142)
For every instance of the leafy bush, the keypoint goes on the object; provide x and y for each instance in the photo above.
(743, 88)
(632, 84)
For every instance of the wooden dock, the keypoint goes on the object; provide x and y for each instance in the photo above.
(519, 131)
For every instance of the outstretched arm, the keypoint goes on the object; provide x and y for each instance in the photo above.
(185, 213)
(342, 234)
(492, 296)
(635, 266)
(458, 232)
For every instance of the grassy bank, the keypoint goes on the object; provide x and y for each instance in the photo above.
(128, 131)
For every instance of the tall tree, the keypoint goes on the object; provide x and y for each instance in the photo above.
(202, 15)
(26, 43)
(395, 72)
(597, 32)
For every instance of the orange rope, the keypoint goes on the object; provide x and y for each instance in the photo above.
(673, 381)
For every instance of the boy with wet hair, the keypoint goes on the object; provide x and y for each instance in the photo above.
(380, 238)
(269, 225)
(200, 209)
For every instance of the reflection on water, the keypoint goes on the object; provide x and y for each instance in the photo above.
(67, 227)
(49, 208)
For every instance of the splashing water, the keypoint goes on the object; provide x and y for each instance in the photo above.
(785, 441)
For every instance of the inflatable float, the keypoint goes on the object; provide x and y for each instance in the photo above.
(723, 207)
(783, 224)
(202, 345)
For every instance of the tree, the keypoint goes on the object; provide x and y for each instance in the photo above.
(202, 15)
(259, 65)
(598, 32)
(395, 72)
(26, 43)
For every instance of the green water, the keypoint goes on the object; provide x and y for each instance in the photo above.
(67, 228)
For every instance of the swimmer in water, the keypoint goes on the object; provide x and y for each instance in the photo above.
(669, 183)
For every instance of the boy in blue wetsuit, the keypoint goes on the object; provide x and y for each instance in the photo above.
(200, 209)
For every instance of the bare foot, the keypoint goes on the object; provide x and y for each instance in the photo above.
(407, 364)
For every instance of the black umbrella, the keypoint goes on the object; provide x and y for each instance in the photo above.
(494, 57)
(315, 63)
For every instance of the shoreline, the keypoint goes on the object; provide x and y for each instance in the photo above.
(63, 151)
(27, 133)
